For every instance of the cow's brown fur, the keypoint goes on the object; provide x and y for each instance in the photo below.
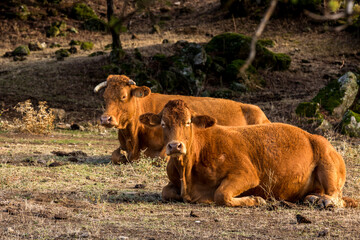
(239, 166)
(125, 103)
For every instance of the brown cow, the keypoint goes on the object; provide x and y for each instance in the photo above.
(240, 166)
(125, 102)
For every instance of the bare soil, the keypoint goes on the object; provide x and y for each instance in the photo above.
(45, 196)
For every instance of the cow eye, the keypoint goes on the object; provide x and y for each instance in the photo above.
(123, 97)
(188, 124)
(163, 125)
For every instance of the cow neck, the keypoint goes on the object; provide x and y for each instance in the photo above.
(190, 160)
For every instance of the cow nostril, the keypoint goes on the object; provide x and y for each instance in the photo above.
(179, 146)
(109, 119)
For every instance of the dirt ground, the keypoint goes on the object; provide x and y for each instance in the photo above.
(78, 194)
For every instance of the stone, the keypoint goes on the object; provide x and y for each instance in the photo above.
(52, 31)
(86, 46)
(36, 46)
(155, 29)
(74, 42)
(338, 95)
(61, 54)
(95, 24)
(351, 124)
(95, 54)
(72, 50)
(308, 109)
(81, 11)
(21, 51)
(324, 126)
(73, 30)
(59, 114)
(23, 12)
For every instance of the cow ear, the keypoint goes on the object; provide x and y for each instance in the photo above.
(203, 121)
(150, 119)
(141, 91)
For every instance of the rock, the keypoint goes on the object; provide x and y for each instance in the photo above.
(73, 30)
(81, 11)
(74, 42)
(308, 109)
(155, 29)
(72, 50)
(233, 69)
(325, 126)
(177, 3)
(338, 95)
(266, 42)
(98, 53)
(86, 46)
(323, 233)
(23, 12)
(95, 24)
(36, 46)
(301, 219)
(55, 45)
(165, 41)
(21, 51)
(61, 54)
(58, 113)
(52, 31)
(19, 58)
(351, 124)
(8, 54)
(233, 46)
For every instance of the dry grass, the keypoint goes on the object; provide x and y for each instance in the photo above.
(94, 199)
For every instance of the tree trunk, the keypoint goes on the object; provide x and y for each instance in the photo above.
(116, 44)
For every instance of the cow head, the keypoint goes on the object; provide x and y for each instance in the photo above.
(178, 123)
(120, 96)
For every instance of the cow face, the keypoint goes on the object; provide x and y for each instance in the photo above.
(121, 96)
(177, 122)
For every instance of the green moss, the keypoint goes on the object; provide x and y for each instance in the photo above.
(52, 31)
(61, 25)
(23, 13)
(266, 42)
(282, 61)
(308, 109)
(74, 42)
(86, 46)
(330, 96)
(62, 53)
(95, 24)
(22, 50)
(98, 53)
(349, 126)
(233, 69)
(233, 46)
(81, 11)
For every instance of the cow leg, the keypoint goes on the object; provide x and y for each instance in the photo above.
(329, 180)
(233, 186)
(171, 193)
(117, 157)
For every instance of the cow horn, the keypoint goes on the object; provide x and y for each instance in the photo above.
(132, 82)
(100, 86)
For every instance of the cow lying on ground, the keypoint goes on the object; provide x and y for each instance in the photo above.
(240, 166)
(125, 102)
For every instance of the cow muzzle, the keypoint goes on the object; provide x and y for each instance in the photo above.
(175, 148)
(108, 121)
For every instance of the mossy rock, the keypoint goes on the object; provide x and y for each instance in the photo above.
(266, 42)
(21, 51)
(74, 42)
(61, 25)
(95, 54)
(351, 124)
(95, 24)
(338, 95)
(308, 109)
(233, 46)
(73, 30)
(23, 12)
(61, 54)
(86, 46)
(55, 45)
(81, 11)
(232, 70)
(52, 31)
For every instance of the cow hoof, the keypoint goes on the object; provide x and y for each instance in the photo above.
(311, 199)
(325, 203)
(259, 201)
(118, 159)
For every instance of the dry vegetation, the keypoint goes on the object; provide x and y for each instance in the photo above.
(62, 186)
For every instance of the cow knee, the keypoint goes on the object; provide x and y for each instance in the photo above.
(222, 198)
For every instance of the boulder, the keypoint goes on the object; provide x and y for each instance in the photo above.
(21, 51)
(61, 54)
(351, 124)
(338, 95)
(81, 11)
(233, 46)
(36, 46)
(308, 109)
(86, 46)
